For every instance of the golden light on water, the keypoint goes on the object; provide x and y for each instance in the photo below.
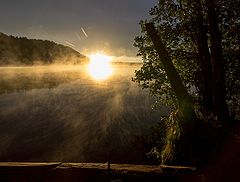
(100, 66)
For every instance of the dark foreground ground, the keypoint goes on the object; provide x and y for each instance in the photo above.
(93, 172)
(223, 167)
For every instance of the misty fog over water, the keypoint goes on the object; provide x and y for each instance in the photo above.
(57, 113)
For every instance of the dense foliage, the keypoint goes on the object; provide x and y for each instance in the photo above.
(202, 38)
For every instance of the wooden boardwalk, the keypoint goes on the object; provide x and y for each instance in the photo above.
(90, 172)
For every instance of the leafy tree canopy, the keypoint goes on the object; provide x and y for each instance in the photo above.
(184, 29)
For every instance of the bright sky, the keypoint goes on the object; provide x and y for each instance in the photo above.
(85, 25)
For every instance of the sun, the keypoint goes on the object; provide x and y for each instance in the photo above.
(100, 67)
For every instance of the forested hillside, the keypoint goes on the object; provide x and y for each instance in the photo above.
(23, 51)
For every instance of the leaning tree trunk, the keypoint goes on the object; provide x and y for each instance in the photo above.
(182, 95)
(219, 88)
(187, 146)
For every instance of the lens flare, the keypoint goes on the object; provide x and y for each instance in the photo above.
(100, 66)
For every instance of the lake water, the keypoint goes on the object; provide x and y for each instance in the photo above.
(57, 113)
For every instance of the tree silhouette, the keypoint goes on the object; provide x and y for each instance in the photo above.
(190, 51)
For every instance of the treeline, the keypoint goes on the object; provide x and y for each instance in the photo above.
(191, 56)
(23, 51)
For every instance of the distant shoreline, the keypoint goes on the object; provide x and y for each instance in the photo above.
(52, 65)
